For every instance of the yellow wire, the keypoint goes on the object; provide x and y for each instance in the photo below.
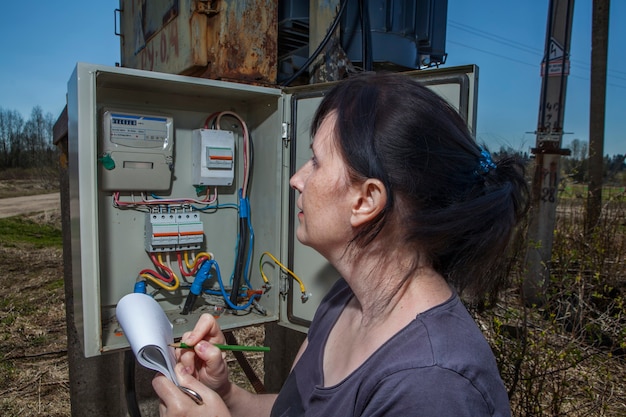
(199, 255)
(161, 283)
(189, 265)
(283, 267)
(192, 265)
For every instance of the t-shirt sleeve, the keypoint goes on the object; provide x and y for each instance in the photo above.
(427, 392)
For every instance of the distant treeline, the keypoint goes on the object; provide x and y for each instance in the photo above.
(27, 143)
(576, 165)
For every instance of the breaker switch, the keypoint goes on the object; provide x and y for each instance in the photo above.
(213, 157)
(219, 158)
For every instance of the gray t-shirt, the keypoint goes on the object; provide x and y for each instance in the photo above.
(438, 365)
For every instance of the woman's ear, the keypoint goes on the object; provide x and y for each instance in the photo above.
(370, 200)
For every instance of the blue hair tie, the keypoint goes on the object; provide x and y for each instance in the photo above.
(485, 163)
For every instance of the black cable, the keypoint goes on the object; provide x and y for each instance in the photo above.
(241, 259)
(319, 48)
(366, 35)
(129, 383)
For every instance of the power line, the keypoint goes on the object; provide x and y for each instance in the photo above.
(525, 48)
(495, 38)
(492, 53)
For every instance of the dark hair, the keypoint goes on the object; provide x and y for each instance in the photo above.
(460, 215)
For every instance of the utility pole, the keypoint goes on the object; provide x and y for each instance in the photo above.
(548, 151)
(597, 104)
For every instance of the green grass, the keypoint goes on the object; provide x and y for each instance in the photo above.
(572, 191)
(16, 230)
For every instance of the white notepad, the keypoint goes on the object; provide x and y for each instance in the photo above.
(149, 333)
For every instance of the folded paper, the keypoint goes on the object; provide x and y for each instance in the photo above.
(149, 332)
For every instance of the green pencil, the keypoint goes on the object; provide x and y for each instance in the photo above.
(238, 348)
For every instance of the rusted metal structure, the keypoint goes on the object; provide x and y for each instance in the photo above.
(218, 39)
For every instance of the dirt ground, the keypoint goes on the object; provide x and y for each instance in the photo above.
(50, 203)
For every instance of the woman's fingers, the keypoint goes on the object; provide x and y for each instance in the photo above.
(177, 403)
(214, 370)
(205, 329)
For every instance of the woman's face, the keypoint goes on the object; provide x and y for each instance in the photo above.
(325, 194)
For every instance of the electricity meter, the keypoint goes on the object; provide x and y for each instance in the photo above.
(136, 151)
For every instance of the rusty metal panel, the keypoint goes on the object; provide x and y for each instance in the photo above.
(219, 39)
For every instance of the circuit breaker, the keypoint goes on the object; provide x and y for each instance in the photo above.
(179, 188)
(213, 154)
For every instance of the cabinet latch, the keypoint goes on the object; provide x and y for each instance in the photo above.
(285, 134)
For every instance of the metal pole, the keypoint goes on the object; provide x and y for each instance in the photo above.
(599, 50)
(554, 72)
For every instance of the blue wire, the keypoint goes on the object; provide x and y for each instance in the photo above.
(250, 246)
(218, 206)
(223, 289)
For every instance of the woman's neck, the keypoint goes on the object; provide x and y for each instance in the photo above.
(388, 284)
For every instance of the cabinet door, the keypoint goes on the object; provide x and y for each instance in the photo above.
(458, 85)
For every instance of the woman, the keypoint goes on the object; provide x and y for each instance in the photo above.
(404, 204)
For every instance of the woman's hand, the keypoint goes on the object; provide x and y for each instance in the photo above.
(206, 362)
(175, 403)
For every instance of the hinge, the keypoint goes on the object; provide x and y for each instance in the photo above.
(208, 7)
(285, 134)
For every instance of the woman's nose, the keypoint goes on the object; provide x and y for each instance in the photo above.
(295, 181)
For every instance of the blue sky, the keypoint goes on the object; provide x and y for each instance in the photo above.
(43, 40)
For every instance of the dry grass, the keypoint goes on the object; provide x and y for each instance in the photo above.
(22, 187)
(34, 377)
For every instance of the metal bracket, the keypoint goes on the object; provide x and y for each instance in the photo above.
(207, 7)
(284, 134)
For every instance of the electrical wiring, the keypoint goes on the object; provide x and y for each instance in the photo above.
(320, 47)
(146, 274)
(246, 273)
(156, 200)
(168, 281)
(160, 200)
(203, 274)
(202, 265)
(240, 259)
(248, 263)
(245, 234)
(217, 207)
(191, 267)
(305, 296)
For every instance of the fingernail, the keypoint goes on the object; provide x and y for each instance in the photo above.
(202, 346)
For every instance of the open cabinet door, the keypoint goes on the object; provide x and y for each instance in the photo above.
(458, 85)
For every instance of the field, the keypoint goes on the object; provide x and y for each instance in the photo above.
(33, 352)
(564, 358)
